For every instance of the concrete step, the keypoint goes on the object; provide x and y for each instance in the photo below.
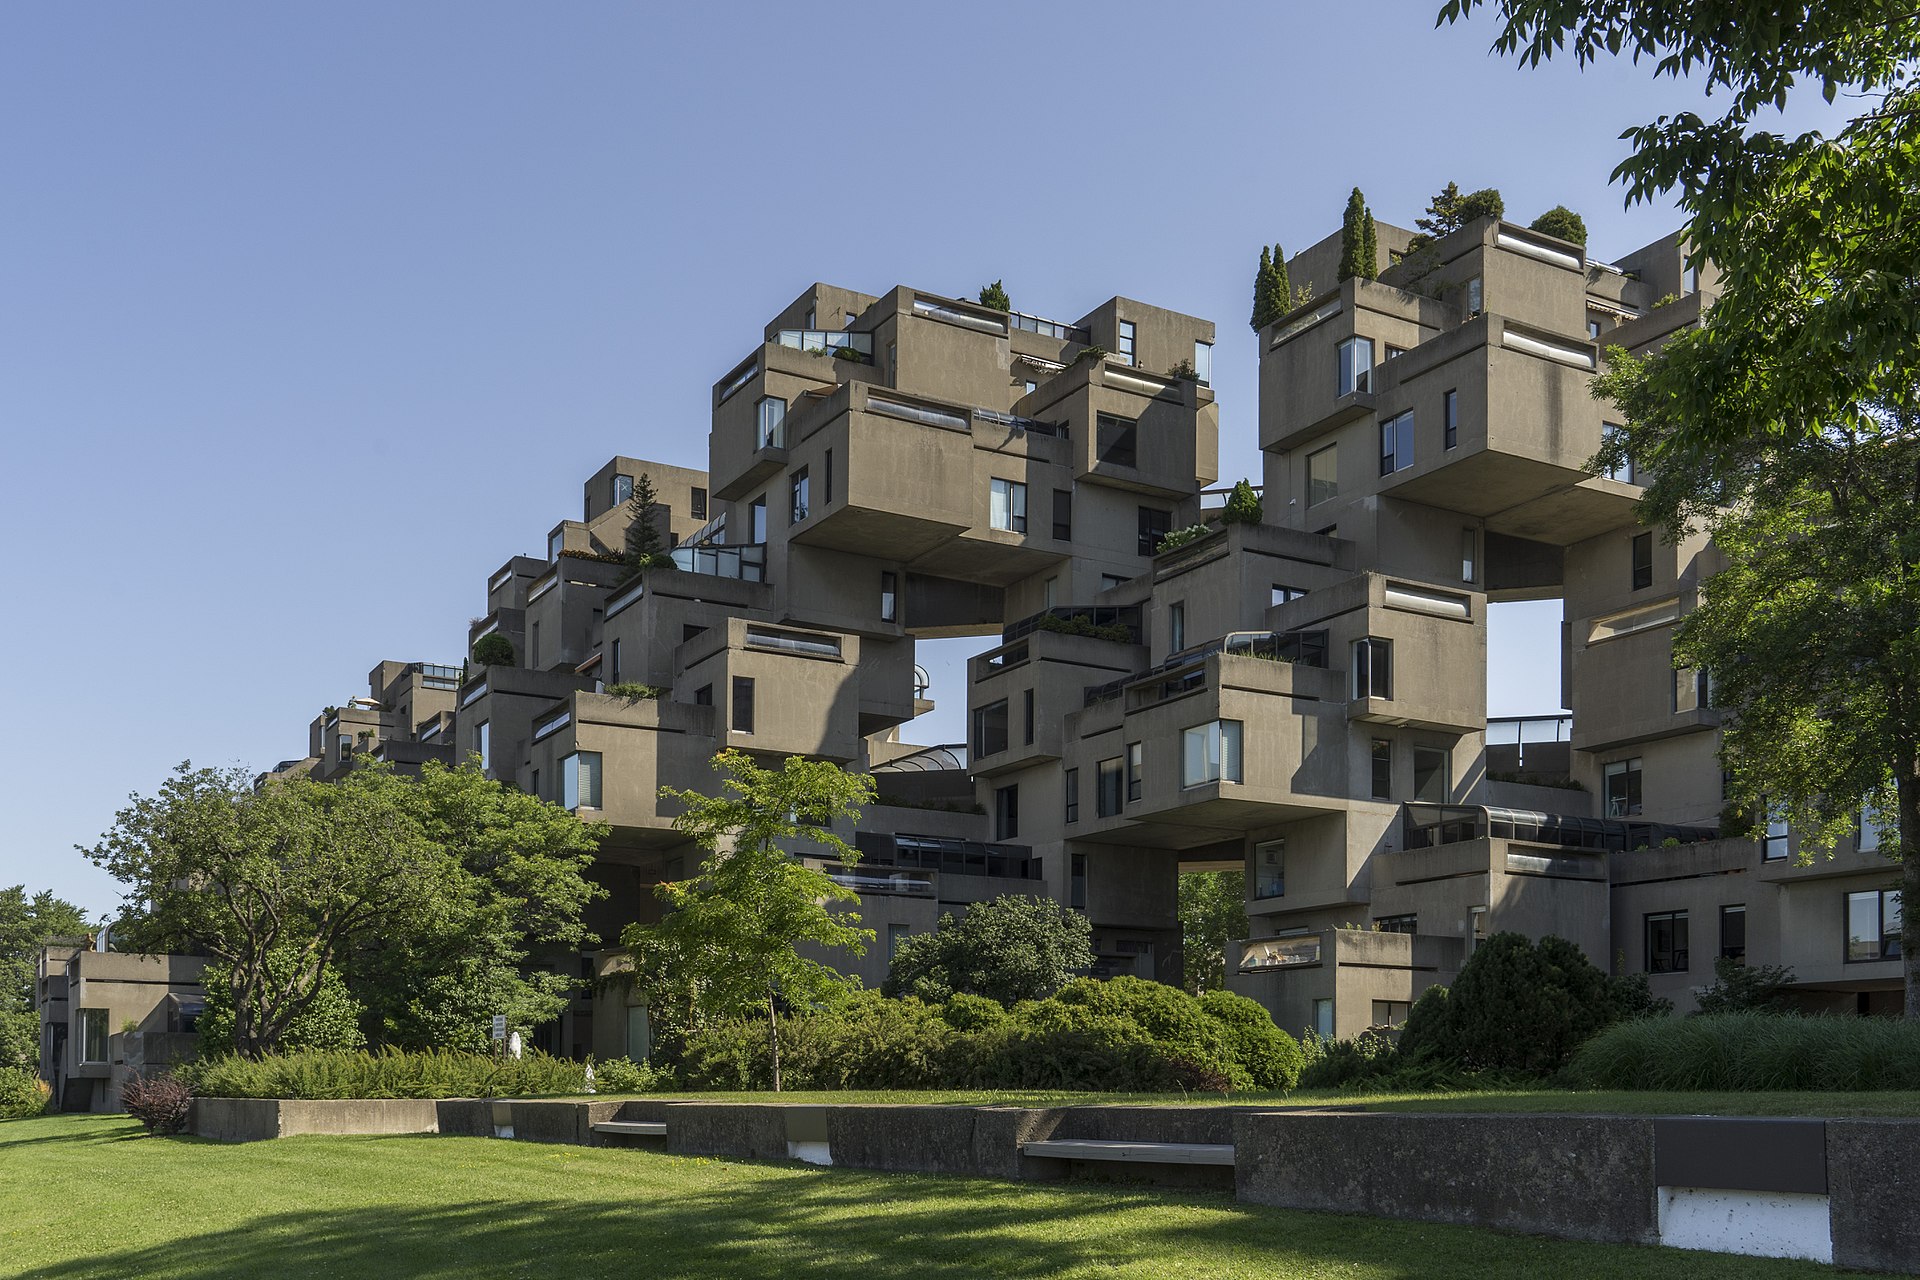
(633, 1128)
(1216, 1153)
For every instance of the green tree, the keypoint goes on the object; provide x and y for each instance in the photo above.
(1213, 912)
(1745, 988)
(493, 650)
(1798, 393)
(1356, 240)
(1562, 222)
(1243, 504)
(644, 547)
(330, 1021)
(1452, 209)
(1272, 292)
(26, 925)
(993, 295)
(730, 942)
(1011, 949)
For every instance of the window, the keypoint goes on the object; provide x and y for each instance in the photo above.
(1115, 440)
(1270, 869)
(1873, 925)
(1642, 561)
(798, 484)
(555, 541)
(1432, 771)
(622, 489)
(615, 667)
(1107, 798)
(1451, 412)
(1373, 668)
(1031, 386)
(1323, 474)
(1624, 471)
(893, 362)
(742, 704)
(1176, 626)
(1006, 812)
(1867, 840)
(1396, 443)
(1136, 766)
(826, 479)
(1211, 753)
(346, 745)
(1667, 942)
(1026, 715)
(1381, 752)
(480, 741)
(580, 780)
(990, 729)
(688, 631)
(889, 596)
(1323, 1018)
(1052, 587)
(535, 786)
(1469, 543)
(697, 505)
(1393, 353)
(1355, 366)
(1063, 515)
(1593, 328)
(1155, 524)
(1126, 351)
(1077, 881)
(1733, 934)
(896, 934)
(533, 647)
(1203, 362)
(1073, 795)
(1775, 847)
(1283, 594)
(1409, 923)
(703, 696)
(1622, 778)
(93, 1035)
(1391, 1013)
(757, 520)
(1108, 581)
(1007, 506)
(1475, 302)
(771, 431)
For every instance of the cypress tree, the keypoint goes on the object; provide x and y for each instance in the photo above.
(1369, 249)
(1359, 247)
(1282, 282)
(643, 549)
(1262, 291)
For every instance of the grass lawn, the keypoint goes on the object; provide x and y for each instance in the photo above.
(1906, 1103)
(87, 1196)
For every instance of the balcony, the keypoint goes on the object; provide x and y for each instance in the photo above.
(747, 562)
(1306, 648)
(1118, 623)
(1430, 826)
(841, 345)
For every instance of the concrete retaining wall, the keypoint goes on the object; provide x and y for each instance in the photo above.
(1832, 1190)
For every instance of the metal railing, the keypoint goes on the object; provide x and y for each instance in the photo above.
(1428, 826)
(1304, 648)
(1032, 426)
(1078, 620)
(843, 343)
(1048, 328)
(747, 562)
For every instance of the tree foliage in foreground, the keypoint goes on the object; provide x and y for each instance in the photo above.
(27, 924)
(1010, 949)
(1213, 912)
(423, 896)
(730, 942)
(1794, 404)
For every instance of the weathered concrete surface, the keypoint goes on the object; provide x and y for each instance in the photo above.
(742, 1131)
(465, 1117)
(1874, 1186)
(359, 1115)
(548, 1121)
(1209, 1125)
(235, 1119)
(1575, 1177)
(975, 1141)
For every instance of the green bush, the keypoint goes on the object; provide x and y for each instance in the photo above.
(1181, 537)
(331, 1022)
(1741, 988)
(1081, 625)
(22, 1093)
(1269, 1055)
(965, 1012)
(1517, 1006)
(1243, 505)
(1367, 1059)
(1752, 1051)
(622, 1075)
(634, 691)
(493, 650)
(995, 296)
(1562, 222)
(389, 1074)
(1010, 949)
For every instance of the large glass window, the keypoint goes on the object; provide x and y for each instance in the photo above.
(1622, 779)
(1323, 474)
(1667, 942)
(697, 503)
(1396, 443)
(93, 1035)
(1733, 933)
(1007, 506)
(1380, 754)
(1778, 839)
(1355, 366)
(990, 729)
(1006, 812)
(1155, 524)
(1116, 440)
(1110, 785)
(622, 489)
(772, 426)
(1126, 351)
(742, 704)
(1323, 1018)
(1136, 769)
(1211, 753)
(1642, 561)
(1373, 668)
(1270, 869)
(1873, 925)
(580, 780)
(1432, 770)
(482, 739)
(1063, 515)
(757, 520)
(1203, 362)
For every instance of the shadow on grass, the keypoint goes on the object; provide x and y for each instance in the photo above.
(634, 1215)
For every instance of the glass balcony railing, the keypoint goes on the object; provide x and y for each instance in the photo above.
(1428, 826)
(1048, 328)
(1031, 426)
(747, 563)
(1119, 623)
(844, 343)
(1279, 953)
(1303, 648)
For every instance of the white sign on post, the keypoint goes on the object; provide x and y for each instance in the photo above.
(499, 1026)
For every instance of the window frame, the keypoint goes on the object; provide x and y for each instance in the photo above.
(1349, 375)
(740, 705)
(1380, 763)
(1679, 951)
(1109, 781)
(1372, 668)
(1136, 771)
(1277, 861)
(1450, 411)
(1396, 443)
(1727, 951)
(1633, 787)
(1221, 755)
(1007, 501)
(1888, 941)
(1641, 565)
(1320, 489)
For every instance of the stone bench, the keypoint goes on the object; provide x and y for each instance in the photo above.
(1203, 1153)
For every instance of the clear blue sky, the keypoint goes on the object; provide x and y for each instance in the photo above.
(313, 314)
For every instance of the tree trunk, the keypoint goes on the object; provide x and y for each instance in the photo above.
(1907, 789)
(773, 1029)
